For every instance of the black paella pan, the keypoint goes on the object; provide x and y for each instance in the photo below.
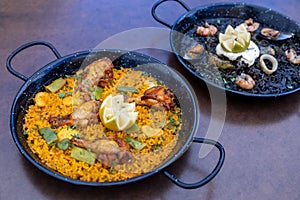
(285, 80)
(66, 65)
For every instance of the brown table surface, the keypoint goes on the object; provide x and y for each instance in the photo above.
(261, 137)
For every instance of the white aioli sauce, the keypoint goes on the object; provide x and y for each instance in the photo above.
(248, 56)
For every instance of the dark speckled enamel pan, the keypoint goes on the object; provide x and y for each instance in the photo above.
(225, 10)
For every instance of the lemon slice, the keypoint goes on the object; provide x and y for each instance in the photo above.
(116, 114)
(235, 40)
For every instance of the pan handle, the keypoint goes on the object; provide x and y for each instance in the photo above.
(207, 178)
(153, 11)
(25, 46)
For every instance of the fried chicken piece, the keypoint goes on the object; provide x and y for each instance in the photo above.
(87, 113)
(99, 72)
(108, 151)
(61, 120)
(158, 94)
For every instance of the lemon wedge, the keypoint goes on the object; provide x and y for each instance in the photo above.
(235, 40)
(116, 114)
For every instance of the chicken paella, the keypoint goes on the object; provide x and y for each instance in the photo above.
(103, 124)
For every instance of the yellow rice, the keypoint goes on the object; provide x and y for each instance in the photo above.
(150, 157)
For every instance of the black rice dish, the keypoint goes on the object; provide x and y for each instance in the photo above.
(284, 79)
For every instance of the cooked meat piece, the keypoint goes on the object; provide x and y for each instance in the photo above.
(99, 72)
(108, 151)
(87, 113)
(61, 120)
(158, 94)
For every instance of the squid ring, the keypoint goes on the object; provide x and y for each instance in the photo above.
(263, 64)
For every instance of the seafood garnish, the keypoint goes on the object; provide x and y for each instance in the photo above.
(292, 57)
(108, 151)
(245, 81)
(206, 30)
(250, 25)
(222, 64)
(263, 66)
(196, 51)
(270, 33)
